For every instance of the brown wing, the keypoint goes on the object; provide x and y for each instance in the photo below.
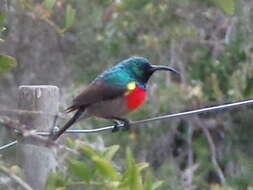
(96, 92)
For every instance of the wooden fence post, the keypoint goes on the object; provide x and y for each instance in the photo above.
(37, 160)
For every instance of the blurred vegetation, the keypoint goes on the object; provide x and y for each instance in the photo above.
(95, 170)
(6, 62)
(68, 42)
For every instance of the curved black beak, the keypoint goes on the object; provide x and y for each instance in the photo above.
(166, 68)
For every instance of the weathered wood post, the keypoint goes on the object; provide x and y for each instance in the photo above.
(37, 160)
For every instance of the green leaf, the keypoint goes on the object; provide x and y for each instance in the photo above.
(80, 169)
(110, 152)
(157, 184)
(142, 165)
(7, 63)
(70, 17)
(149, 182)
(228, 6)
(105, 167)
(49, 3)
(70, 143)
(56, 180)
(249, 87)
(2, 19)
(88, 151)
(132, 177)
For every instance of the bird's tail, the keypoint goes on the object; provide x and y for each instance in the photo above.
(71, 108)
(75, 117)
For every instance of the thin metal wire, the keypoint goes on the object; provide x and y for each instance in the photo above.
(8, 145)
(163, 117)
(169, 116)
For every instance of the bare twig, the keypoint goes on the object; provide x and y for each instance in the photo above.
(15, 178)
(32, 136)
(187, 176)
(30, 7)
(21, 129)
(188, 173)
(213, 151)
(10, 124)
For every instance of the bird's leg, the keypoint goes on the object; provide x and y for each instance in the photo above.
(117, 124)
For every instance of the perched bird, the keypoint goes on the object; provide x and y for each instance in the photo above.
(116, 92)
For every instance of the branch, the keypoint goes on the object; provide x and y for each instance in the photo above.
(213, 151)
(21, 130)
(34, 137)
(15, 178)
(30, 7)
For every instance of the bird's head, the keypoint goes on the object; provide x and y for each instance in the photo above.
(142, 69)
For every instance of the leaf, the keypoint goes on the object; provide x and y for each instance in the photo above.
(88, 151)
(80, 169)
(56, 180)
(61, 188)
(2, 19)
(249, 87)
(228, 6)
(105, 167)
(149, 182)
(71, 144)
(7, 63)
(132, 177)
(142, 165)
(49, 3)
(110, 152)
(70, 17)
(157, 184)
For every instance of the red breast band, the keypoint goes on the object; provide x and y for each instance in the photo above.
(136, 98)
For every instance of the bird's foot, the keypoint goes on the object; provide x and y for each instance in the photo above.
(117, 126)
(125, 126)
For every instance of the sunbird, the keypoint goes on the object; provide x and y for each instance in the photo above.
(114, 93)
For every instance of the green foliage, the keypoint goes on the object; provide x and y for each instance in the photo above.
(80, 169)
(96, 170)
(209, 41)
(228, 6)
(45, 11)
(2, 27)
(2, 18)
(69, 17)
(7, 63)
(49, 4)
(56, 180)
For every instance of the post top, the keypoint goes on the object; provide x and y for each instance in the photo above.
(37, 86)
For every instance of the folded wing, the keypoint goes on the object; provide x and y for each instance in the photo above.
(96, 92)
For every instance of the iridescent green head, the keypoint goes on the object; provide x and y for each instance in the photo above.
(141, 68)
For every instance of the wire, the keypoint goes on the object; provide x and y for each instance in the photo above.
(8, 145)
(169, 116)
(163, 117)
